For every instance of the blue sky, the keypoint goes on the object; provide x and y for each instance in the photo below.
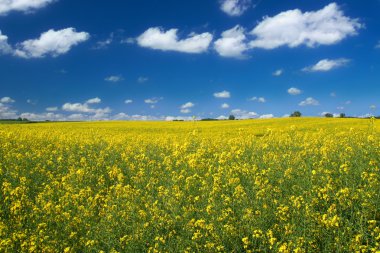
(157, 60)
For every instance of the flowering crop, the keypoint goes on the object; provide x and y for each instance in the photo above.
(282, 185)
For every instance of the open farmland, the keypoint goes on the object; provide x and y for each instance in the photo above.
(279, 185)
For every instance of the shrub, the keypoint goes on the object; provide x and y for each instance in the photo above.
(296, 114)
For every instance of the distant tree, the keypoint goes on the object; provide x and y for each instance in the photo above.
(25, 119)
(342, 115)
(19, 119)
(329, 115)
(231, 117)
(296, 114)
(208, 119)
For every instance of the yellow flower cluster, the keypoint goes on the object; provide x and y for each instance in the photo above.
(281, 185)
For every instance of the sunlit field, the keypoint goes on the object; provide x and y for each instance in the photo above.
(279, 185)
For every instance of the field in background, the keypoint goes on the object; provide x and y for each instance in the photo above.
(279, 185)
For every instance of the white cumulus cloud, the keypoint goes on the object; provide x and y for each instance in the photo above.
(232, 43)
(185, 118)
(156, 38)
(309, 101)
(266, 116)
(152, 100)
(135, 117)
(86, 108)
(367, 115)
(278, 72)
(94, 101)
(128, 101)
(43, 116)
(294, 28)
(114, 78)
(258, 99)
(187, 105)
(6, 100)
(235, 7)
(185, 111)
(327, 65)
(7, 6)
(51, 43)
(52, 109)
(243, 114)
(5, 48)
(225, 106)
(294, 91)
(185, 108)
(222, 117)
(77, 107)
(6, 111)
(222, 94)
(335, 115)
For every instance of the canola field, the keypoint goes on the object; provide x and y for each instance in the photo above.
(279, 185)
